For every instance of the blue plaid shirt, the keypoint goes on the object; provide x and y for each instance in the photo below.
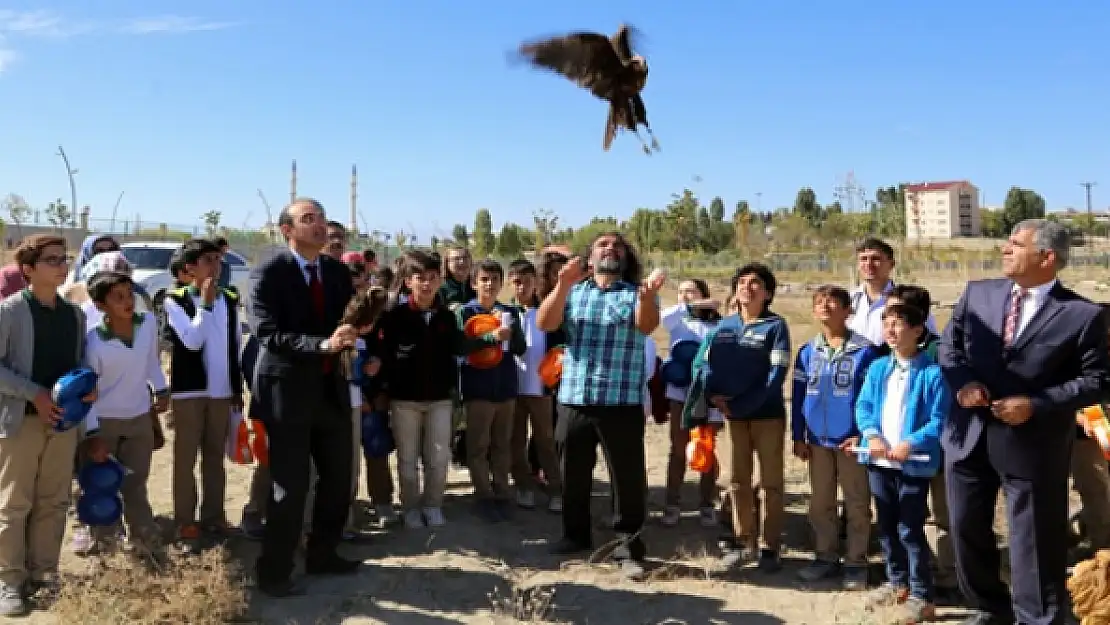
(604, 360)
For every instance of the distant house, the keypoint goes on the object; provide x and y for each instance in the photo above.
(942, 210)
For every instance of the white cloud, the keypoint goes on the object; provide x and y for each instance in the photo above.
(16, 25)
(171, 24)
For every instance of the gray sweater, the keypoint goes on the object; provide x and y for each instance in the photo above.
(17, 348)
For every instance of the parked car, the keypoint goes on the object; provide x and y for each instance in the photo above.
(150, 262)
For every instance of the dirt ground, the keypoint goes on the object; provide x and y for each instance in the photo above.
(472, 572)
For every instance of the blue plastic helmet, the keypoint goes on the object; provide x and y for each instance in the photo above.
(676, 373)
(99, 509)
(377, 437)
(684, 350)
(67, 394)
(103, 478)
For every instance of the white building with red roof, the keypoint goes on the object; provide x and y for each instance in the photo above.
(942, 210)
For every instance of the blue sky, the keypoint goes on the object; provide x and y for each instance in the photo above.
(189, 107)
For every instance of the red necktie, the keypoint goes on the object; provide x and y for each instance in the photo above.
(1013, 316)
(316, 289)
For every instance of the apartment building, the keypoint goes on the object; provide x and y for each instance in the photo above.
(942, 210)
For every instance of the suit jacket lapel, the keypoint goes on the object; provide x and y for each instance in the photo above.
(1047, 310)
(999, 306)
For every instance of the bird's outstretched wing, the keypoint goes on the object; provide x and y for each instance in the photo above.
(624, 41)
(588, 59)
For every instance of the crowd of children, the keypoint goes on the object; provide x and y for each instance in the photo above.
(867, 405)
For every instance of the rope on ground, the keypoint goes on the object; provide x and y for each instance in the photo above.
(1090, 589)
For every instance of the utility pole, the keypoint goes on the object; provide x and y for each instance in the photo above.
(1090, 213)
(71, 172)
(354, 202)
(293, 183)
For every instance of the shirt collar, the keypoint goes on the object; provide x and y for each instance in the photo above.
(1036, 293)
(106, 333)
(886, 290)
(303, 263)
(31, 299)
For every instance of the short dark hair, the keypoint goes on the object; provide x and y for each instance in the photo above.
(193, 249)
(177, 264)
(221, 242)
(383, 276)
(335, 224)
(875, 244)
(285, 217)
(369, 255)
(357, 268)
(522, 267)
(490, 266)
(834, 292)
(760, 271)
(103, 283)
(417, 261)
(31, 248)
(913, 295)
(913, 316)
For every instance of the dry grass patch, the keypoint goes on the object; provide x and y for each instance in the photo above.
(208, 589)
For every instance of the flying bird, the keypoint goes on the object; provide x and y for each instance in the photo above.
(608, 68)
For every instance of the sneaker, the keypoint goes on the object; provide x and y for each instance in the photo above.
(734, 557)
(386, 515)
(526, 499)
(434, 517)
(855, 578)
(12, 602)
(818, 570)
(769, 561)
(885, 596)
(555, 504)
(708, 517)
(188, 536)
(632, 570)
(83, 543)
(918, 610)
(414, 520)
(671, 516)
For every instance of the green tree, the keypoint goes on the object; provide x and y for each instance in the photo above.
(717, 210)
(890, 212)
(547, 223)
(741, 224)
(460, 236)
(510, 241)
(484, 241)
(1019, 205)
(17, 209)
(681, 221)
(58, 214)
(991, 224)
(211, 221)
(647, 228)
(805, 204)
(583, 237)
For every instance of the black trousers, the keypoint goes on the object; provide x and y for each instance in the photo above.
(619, 430)
(303, 426)
(1037, 513)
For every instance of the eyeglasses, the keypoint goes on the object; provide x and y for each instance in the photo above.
(54, 261)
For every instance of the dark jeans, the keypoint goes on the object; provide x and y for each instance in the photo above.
(901, 504)
(619, 430)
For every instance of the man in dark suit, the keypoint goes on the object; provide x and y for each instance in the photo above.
(1022, 355)
(297, 300)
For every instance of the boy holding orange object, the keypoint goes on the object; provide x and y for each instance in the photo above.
(489, 390)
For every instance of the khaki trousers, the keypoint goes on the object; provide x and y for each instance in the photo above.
(131, 441)
(200, 427)
(489, 433)
(763, 439)
(356, 465)
(1092, 482)
(423, 432)
(36, 471)
(676, 465)
(828, 468)
(539, 412)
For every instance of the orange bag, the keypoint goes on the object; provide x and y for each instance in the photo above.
(239, 450)
(259, 442)
(479, 325)
(701, 450)
(551, 367)
(1095, 420)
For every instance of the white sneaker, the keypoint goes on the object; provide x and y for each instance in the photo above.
(671, 516)
(82, 541)
(526, 499)
(413, 519)
(555, 504)
(434, 517)
(386, 515)
(708, 516)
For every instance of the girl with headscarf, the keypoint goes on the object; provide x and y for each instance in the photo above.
(109, 261)
(93, 245)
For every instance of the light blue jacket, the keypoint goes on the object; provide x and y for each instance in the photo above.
(928, 401)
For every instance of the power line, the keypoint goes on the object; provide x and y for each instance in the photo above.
(1090, 213)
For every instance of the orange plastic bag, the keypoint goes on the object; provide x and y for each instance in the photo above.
(238, 440)
(701, 453)
(478, 325)
(1094, 419)
(259, 442)
(550, 368)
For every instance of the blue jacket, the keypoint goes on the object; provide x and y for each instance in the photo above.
(823, 401)
(501, 382)
(927, 402)
(747, 363)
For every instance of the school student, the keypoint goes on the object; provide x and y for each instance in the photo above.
(690, 319)
(123, 351)
(533, 403)
(489, 395)
(900, 412)
(202, 325)
(43, 339)
(740, 369)
(828, 374)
